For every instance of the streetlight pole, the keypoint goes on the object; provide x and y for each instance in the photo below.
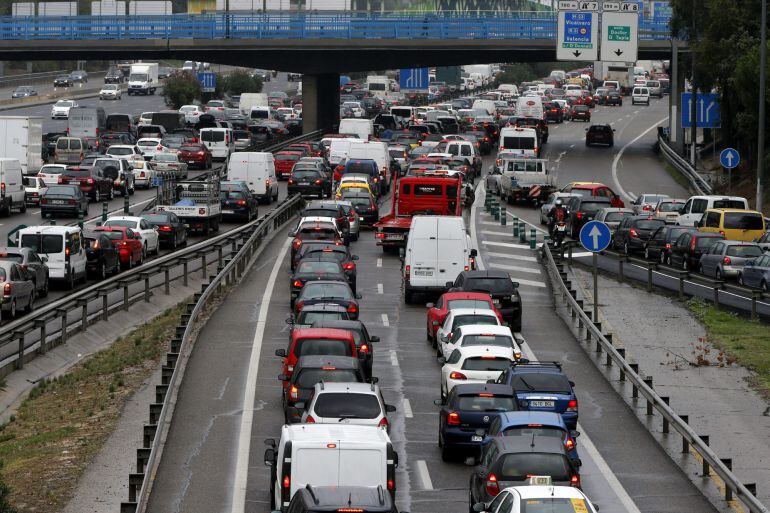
(693, 95)
(761, 128)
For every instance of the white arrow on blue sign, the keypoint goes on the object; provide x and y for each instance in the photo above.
(595, 236)
(729, 158)
(707, 111)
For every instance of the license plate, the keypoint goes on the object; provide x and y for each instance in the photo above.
(541, 404)
(476, 438)
(191, 162)
(58, 202)
(303, 183)
(496, 302)
(395, 236)
(228, 212)
(423, 272)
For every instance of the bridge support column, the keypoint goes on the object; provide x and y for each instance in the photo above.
(320, 101)
(677, 87)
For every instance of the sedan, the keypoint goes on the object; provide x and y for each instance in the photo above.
(23, 92)
(170, 162)
(311, 269)
(473, 364)
(238, 203)
(634, 232)
(645, 203)
(18, 288)
(600, 134)
(33, 188)
(756, 273)
(581, 112)
(110, 92)
(197, 155)
(148, 234)
(171, 229)
(63, 199)
(34, 264)
(328, 292)
(614, 98)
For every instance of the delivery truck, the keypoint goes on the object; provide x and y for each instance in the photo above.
(249, 100)
(143, 78)
(21, 138)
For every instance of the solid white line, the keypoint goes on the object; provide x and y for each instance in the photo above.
(422, 469)
(247, 417)
(537, 228)
(513, 257)
(479, 198)
(393, 358)
(379, 262)
(379, 288)
(620, 155)
(385, 321)
(517, 268)
(408, 409)
(528, 283)
(505, 244)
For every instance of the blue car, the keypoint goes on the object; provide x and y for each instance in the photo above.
(756, 273)
(542, 387)
(467, 412)
(537, 423)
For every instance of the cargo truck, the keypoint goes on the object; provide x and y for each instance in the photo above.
(198, 205)
(619, 72)
(21, 138)
(143, 78)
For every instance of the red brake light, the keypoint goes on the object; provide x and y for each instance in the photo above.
(391, 484)
(241, 203)
(575, 481)
(291, 181)
(297, 283)
(7, 289)
(349, 266)
(383, 423)
(492, 487)
(579, 215)
(633, 233)
(286, 481)
(692, 245)
(453, 419)
(318, 182)
(297, 243)
(646, 207)
(457, 375)
(164, 228)
(300, 305)
(352, 308)
(727, 260)
(569, 443)
(572, 405)
(293, 393)
(668, 245)
(310, 419)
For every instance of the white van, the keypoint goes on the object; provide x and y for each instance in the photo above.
(61, 246)
(329, 455)
(530, 107)
(486, 105)
(519, 141)
(692, 211)
(438, 249)
(261, 112)
(11, 187)
(640, 94)
(219, 141)
(250, 100)
(363, 128)
(378, 85)
(403, 112)
(376, 151)
(510, 89)
(257, 169)
(338, 150)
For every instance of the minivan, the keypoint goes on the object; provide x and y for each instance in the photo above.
(655, 88)
(69, 150)
(438, 249)
(640, 95)
(12, 191)
(734, 224)
(63, 248)
(692, 211)
(257, 169)
(219, 141)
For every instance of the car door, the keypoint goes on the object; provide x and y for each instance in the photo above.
(656, 242)
(37, 267)
(23, 283)
(150, 234)
(710, 259)
(752, 271)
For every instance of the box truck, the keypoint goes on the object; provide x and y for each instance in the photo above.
(21, 138)
(143, 78)
(249, 100)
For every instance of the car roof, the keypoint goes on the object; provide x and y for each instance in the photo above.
(124, 218)
(472, 311)
(492, 388)
(486, 274)
(340, 362)
(495, 351)
(481, 296)
(526, 417)
(350, 388)
(536, 492)
(733, 210)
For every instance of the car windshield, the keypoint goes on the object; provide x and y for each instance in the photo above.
(110, 87)
(322, 346)
(487, 340)
(744, 251)
(326, 290)
(743, 221)
(519, 466)
(491, 285)
(540, 382)
(484, 402)
(309, 377)
(347, 406)
(467, 303)
(482, 363)
(42, 244)
(553, 505)
(319, 267)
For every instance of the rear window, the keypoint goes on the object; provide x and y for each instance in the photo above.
(286, 156)
(519, 143)
(592, 207)
(212, 136)
(487, 340)
(491, 285)
(311, 317)
(318, 234)
(190, 148)
(12, 257)
(535, 430)
(649, 224)
(744, 251)
(234, 195)
(486, 364)
(322, 347)
(43, 244)
(467, 303)
(468, 320)
(328, 290)
(553, 505)
(305, 173)
(366, 168)
(488, 402)
(706, 242)
(309, 377)
(427, 190)
(669, 207)
(120, 222)
(320, 212)
(155, 218)
(518, 466)
(729, 204)
(541, 382)
(318, 267)
(348, 406)
(743, 221)
(121, 151)
(615, 216)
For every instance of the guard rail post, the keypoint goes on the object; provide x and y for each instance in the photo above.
(40, 324)
(682, 275)
(755, 294)
(105, 304)
(20, 360)
(515, 222)
(82, 303)
(650, 267)
(185, 260)
(648, 381)
(728, 462)
(166, 279)
(706, 470)
(105, 208)
(685, 442)
(219, 254)
(146, 278)
(203, 265)
(634, 388)
(621, 265)
(124, 285)
(62, 312)
(503, 217)
(522, 232)
(622, 353)
(665, 420)
(532, 238)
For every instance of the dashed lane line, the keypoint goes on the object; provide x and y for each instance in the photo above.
(407, 408)
(514, 257)
(422, 470)
(380, 288)
(517, 268)
(385, 320)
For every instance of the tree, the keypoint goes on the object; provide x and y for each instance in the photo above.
(181, 89)
(238, 82)
(516, 74)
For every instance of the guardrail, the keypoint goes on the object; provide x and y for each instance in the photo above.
(697, 182)
(746, 493)
(155, 433)
(301, 25)
(29, 78)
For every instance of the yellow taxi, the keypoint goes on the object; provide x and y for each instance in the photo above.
(353, 186)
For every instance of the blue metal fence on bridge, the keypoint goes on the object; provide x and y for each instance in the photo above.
(299, 25)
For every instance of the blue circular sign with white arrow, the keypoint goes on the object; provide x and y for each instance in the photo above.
(729, 158)
(595, 236)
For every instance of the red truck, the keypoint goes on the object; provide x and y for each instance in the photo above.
(415, 195)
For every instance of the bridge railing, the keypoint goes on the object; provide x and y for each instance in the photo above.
(299, 25)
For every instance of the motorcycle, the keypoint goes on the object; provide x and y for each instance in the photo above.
(559, 230)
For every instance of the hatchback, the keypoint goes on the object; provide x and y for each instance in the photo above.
(688, 248)
(330, 292)
(659, 245)
(756, 273)
(18, 288)
(600, 134)
(63, 199)
(347, 403)
(726, 258)
(634, 232)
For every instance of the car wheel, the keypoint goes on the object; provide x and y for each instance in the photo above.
(740, 279)
(685, 265)
(12, 311)
(445, 454)
(662, 258)
(71, 280)
(31, 304)
(44, 290)
(97, 196)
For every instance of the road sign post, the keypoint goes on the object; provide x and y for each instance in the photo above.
(578, 35)
(729, 158)
(595, 236)
(620, 35)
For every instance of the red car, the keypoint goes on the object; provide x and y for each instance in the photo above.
(128, 242)
(304, 148)
(588, 99)
(318, 342)
(437, 313)
(195, 154)
(594, 189)
(284, 162)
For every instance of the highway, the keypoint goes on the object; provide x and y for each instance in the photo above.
(213, 458)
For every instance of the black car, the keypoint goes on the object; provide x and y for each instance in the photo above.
(261, 134)
(310, 370)
(329, 209)
(237, 201)
(113, 76)
(63, 199)
(510, 461)
(553, 112)
(329, 251)
(328, 292)
(614, 98)
(600, 134)
(103, 258)
(320, 499)
(36, 266)
(634, 231)
(322, 312)
(538, 124)
(659, 245)
(314, 269)
(171, 229)
(62, 81)
(365, 206)
(581, 209)
(468, 409)
(308, 181)
(121, 138)
(498, 284)
(484, 142)
(363, 338)
(690, 246)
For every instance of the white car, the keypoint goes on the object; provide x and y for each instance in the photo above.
(150, 146)
(33, 189)
(147, 232)
(110, 92)
(541, 495)
(49, 173)
(125, 151)
(143, 173)
(462, 317)
(481, 335)
(145, 118)
(355, 108)
(191, 113)
(348, 403)
(169, 162)
(61, 109)
(309, 223)
(474, 364)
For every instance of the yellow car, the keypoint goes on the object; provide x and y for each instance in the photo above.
(733, 223)
(353, 185)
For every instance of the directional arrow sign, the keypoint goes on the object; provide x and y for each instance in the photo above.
(729, 158)
(620, 32)
(577, 36)
(707, 110)
(595, 236)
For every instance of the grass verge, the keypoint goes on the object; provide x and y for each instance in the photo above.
(63, 423)
(676, 174)
(746, 341)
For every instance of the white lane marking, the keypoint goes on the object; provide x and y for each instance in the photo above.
(385, 321)
(620, 155)
(479, 198)
(633, 194)
(508, 244)
(407, 409)
(507, 233)
(571, 145)
(238, 503)
(379, 288)
(516, 268)
(379, 262)
(422, 469)
(514, 257)
(537, 228)
(34, 212)
(489, 223)
(118, 211)
(393, 358)
(528, 283)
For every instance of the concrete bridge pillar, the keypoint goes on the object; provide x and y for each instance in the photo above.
(320, 101)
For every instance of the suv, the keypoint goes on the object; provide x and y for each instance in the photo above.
(498, 284)
(318, 499)
(600, 134)
(94, 182)
(120, 172)
(349, 403)
(582, 209)
(542, 387)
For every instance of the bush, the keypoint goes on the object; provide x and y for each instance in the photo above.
(181, 89)
(239, 82)
(5, 506)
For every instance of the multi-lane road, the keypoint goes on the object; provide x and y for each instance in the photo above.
(213, 458)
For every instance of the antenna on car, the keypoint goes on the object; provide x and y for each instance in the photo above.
(533, 440)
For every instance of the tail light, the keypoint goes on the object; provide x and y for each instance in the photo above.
(492, 487)
(241, 203)
(572, 405)
(293, 393)
(407, 270)
(646, 207)
(722, 233)
(579, 215)
(569, 443)
(381, 235)
(59, 180)
(310, 419)
(318, 182)
(692, 244)
(286, 481)
(383, 423)
(726, 260)
(575, 481)
(299, 306)
(364, 349)
(71, 202)
(297, 243)
(453, 419)
(291, 181)
(457, 375)
(350, 266)
(668, 245)
(391, 484)
(352, 308)
(297, 283)
(7, 289)
(352, 218)
(67, 252)
(164, 228)
(90, 181)
(633, 233)
(43, 201)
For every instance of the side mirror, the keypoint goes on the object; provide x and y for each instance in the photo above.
(374, 338)
(574, 434)
(428, 305)
(474, 253)
(292, 233)
(374, 380)
(441, 360)
(283, 377)
(270, 442)
(438, 402)
(300, 405)
(358, 296)
(577, 462)
(290, 319)
(449, 284)
(515, 284)
(572, 383)
(280, 352)
(44, 259)
(390, 408)
(354, 257)
(479, 507)
(270, 457)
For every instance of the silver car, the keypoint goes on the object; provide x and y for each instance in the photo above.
(23, 92)
(18, 288)
(353, 217)
(169, 162)
(726, 258)
(612, 216)
(645, 203)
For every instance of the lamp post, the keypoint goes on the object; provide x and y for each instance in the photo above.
(762, 107)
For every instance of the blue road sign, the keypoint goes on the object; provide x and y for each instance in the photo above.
(595, 236)
(729, 158)
(208, 81)
(707, 110)
(413, 79)
(577, 29)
